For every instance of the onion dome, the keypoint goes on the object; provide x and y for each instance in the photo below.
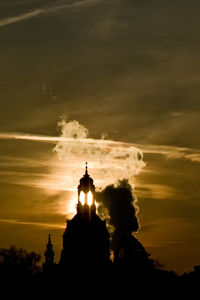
(86, 183)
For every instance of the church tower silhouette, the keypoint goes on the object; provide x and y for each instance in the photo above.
(86, 241)
(49, 256)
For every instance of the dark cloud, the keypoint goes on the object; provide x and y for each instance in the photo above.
(119, 202)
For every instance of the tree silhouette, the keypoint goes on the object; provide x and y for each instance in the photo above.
(14, 261)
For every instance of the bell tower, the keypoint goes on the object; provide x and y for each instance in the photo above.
(86, 194)
(86, 241)
(49, 256)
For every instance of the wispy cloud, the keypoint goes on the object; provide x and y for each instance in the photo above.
(22, 17)
(42, 11)
(18, 222)
(172, 152)
(30, 137)
(109, 161)
(155, 191)
(165, 150)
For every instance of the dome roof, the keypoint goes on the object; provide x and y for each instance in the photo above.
(86, 182)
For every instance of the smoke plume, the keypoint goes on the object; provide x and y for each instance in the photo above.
(116, 204)
(108, 160)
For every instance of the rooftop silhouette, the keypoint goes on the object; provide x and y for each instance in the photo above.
(86, 240)
(86, 254)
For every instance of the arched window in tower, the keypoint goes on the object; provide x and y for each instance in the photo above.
(89, 198)
(82, 197)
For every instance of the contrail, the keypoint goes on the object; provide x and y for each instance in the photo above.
(168, 151)
(30, 137)
(25, 16)
(55, 139)
(41, 11)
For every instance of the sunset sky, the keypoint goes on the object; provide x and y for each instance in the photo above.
(112, 82)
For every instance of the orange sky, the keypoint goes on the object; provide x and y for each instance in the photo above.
(125, 74)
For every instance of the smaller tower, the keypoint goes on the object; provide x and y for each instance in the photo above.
(49, 255)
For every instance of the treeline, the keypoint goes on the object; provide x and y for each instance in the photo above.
(16, 264)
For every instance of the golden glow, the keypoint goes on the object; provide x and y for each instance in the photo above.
(90, 198)
(82, 198)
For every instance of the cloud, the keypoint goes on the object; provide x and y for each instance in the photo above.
(30, 137)
(18, 222)
(108, 160)
(42, 11)
(68, 138)
(172, 152)
(22, 17)
(155, 191)
(112, 160)
(117, 205)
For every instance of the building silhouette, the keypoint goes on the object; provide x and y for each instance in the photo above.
(49, 256)
(86, 244)
(86, 241)
(131, 254)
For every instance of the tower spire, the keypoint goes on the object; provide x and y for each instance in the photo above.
(49, 255)
(49, 240)
(86, 168)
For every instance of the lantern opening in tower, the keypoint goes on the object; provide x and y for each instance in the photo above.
(86, 192)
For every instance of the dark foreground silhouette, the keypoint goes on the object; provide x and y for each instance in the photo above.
(20, 272)
(85, 269)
